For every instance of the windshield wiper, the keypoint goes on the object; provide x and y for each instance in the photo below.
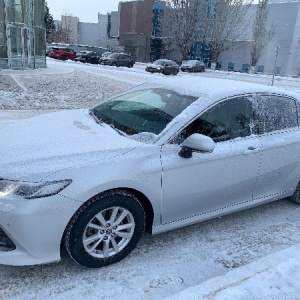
(100, 122)
(91, 113)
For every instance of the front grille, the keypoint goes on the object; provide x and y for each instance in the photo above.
(6, 244)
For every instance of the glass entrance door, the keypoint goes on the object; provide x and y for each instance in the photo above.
(18, 47)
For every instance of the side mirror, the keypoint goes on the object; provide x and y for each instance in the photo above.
(196, 142)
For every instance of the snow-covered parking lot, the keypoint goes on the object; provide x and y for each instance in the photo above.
(253, 254)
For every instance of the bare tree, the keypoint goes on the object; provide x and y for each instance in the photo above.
(177, 25)
(59, 35)
(112, 44)
(221, 24)
(261, 34)
(224, 24)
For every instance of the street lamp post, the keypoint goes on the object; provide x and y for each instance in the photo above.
(276, 55)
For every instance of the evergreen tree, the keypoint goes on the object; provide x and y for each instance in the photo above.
(49, 22)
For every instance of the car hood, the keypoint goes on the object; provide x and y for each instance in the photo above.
(188, 65)
(154, 66)
(34, 148)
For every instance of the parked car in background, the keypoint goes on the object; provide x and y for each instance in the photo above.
(193, 66)
(164, 66)
(118, 60)
(48, 50)
(104, 55)
(160, 156)
(62, 53)
(91, 57)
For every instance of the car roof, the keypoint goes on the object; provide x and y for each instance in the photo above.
(213, 89)
(208, 91)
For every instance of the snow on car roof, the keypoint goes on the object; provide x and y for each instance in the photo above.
(216, 88)
(209, 90)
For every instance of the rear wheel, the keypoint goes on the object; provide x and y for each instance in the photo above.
(130, 65)
(114, 64)
(105, 229)
(175, 72)
(63, 57)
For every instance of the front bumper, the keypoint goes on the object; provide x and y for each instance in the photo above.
(80, 59)
(31, 230)
(154, 70)
(107, 63)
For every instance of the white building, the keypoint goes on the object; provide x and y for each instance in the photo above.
(286, 18)
(92, 34)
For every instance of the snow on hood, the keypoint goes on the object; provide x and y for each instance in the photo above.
(33, 148)
(154, 66)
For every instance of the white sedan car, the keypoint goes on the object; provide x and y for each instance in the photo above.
(157, 157)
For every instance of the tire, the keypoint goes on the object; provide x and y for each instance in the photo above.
(114, 64)
(63, 57)
(175, 72)
(130, 66)
(116, 219)
(296, 196)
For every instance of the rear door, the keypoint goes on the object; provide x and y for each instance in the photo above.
(279, 134)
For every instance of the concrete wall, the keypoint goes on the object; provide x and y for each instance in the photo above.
(70, 23)
(89, 34)
(115, 23)
(103, 22)
(136, 17)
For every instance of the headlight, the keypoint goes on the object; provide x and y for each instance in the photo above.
(32, 190)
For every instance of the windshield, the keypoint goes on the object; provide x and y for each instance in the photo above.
(191, 62)
(113, 55)
(142, 111)
(159, 62)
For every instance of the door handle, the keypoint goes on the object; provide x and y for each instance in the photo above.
(251, 150)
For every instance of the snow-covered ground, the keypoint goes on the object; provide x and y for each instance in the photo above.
(253, 254)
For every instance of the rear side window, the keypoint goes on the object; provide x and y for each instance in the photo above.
(276, 112)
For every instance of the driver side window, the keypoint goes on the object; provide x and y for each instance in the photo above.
(227, 120)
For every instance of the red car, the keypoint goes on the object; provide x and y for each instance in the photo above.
(62, 53)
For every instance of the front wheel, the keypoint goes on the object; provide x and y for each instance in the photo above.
(105, 229)
(296, 196)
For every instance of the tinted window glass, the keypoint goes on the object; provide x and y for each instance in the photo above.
(276, 113)
(227, 120)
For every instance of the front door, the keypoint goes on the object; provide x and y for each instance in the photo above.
(213, 183)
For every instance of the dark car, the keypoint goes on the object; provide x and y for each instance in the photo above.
(193, 66)
(91, 57)
(118, 60)
(164, 66)
(62, 53)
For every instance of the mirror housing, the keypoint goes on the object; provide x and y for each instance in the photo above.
(196, 142)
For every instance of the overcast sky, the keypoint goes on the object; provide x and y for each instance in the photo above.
(86, 10)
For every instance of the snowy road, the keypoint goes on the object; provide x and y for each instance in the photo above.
(164, 264)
